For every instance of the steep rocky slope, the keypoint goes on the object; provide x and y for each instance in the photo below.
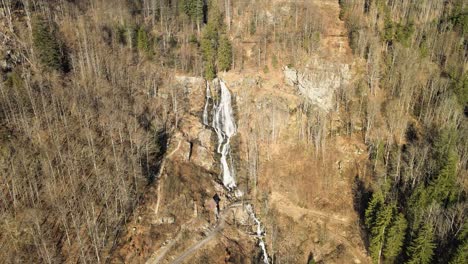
(297, 169)
(304, 164)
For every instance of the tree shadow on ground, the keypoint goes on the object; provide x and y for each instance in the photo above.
(151, 161)
(361, 198)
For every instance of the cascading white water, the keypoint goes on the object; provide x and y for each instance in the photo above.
(225, 128)
(224, 125)
(260, 233)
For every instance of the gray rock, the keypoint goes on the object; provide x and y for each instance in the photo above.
(165, 220)
(319, 83)
(5, 65)
(202, 157)
(205, 138)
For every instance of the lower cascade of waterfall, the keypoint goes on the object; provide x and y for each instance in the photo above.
(260, 233)
(223, 124)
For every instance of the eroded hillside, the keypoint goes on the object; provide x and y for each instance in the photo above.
(192, 131)
(294, 164)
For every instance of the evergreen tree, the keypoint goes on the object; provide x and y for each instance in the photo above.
(198, 12)
(143, 44)
(215, 17)
(209, 55)
(372, 209)
(422, 247)
(210, 42)
(444, 189)
(47, 46)
(209, 71)
(253, 27)
(461, 255)
(379, 231)
(417, 204)
(193, 9)
(395, 237)
(443, 145)
(224, 54)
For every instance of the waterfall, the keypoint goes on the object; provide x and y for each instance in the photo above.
(224, 125)
(225, 128)
(260, 233)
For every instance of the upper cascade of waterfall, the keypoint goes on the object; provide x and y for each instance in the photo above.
(223, 114)
(225, 127)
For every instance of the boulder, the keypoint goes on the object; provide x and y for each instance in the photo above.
(202, 157)
(205, 138)
(5, 65)
(165, 220)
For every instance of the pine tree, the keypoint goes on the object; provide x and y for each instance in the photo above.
(422, 247)
(197, 12)
(214, 15)
(209, 71)
(395, 237)
(224, 54)
(209, 56)
(379, 231)
(416, 207)
(461, 255)
(444, 188)
(372, 209)
(142, 40)
(193, 9)
(47, 46)
(185, 7)
(210, 42)
(443, 144)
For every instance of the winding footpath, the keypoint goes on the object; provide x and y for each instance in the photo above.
(196, 246)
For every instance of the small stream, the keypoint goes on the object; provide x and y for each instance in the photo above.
(260, 233)
(224, 125)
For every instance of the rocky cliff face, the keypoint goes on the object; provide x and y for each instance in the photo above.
(319, 82)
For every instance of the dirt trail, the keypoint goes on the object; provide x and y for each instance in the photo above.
(159, 256)
(212, 234)
(192, 249)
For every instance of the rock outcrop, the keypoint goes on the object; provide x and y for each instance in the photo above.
(319, 81)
